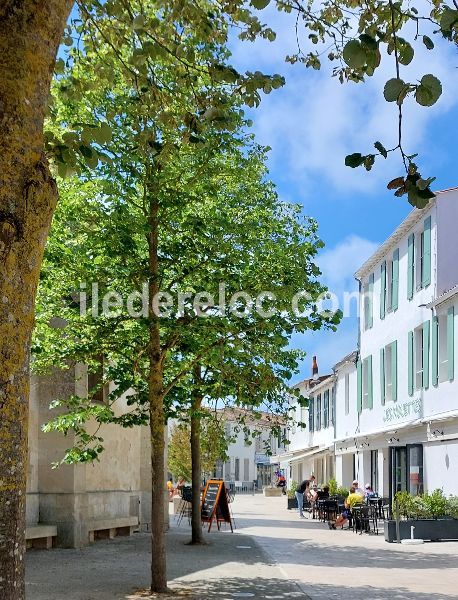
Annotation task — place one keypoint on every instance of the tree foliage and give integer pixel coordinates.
(213, 446)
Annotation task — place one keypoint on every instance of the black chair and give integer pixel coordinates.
(185, 506)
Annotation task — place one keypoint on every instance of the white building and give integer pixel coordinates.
(406, 434)
(395, 422)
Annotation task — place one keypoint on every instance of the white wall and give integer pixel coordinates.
(447, 240)
(441, 466)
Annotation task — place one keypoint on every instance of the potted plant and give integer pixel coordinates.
(291, 495)
(434, 516)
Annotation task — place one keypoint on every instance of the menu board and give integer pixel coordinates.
(215, 506)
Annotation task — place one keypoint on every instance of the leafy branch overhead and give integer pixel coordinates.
(357, 37)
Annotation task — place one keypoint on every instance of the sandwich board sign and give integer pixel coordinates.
(215, 506)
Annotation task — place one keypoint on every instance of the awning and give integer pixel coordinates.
(310, 452)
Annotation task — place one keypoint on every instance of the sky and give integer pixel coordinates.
(313, 122)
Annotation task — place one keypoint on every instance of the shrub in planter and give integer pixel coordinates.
(291, 492)
(452, 506)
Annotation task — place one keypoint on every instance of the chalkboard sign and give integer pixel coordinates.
(215, 506)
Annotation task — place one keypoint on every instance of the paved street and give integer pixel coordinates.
(342, 564)
(271, 550)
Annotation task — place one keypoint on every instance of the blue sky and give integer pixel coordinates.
(313, 122)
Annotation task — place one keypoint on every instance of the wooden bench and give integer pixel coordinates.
(100, 529)
(41, 536)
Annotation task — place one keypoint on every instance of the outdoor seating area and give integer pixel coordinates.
(363, 517)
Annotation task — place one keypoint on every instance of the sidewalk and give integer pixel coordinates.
(230, 566)
(344, 565)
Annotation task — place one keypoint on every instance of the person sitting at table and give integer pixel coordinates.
(352, 499)
(323, 494)
(369, 493)
(358, 490)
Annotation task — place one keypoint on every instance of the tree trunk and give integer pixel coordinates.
(157, 421)
(196, 521)
(30, 32)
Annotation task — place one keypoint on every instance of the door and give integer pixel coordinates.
(374, 470)
(398, 469)
(415, 469)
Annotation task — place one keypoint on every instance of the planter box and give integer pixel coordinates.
(292, 503)
(425, 529)
(269, 492)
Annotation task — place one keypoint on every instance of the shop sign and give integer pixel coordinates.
(261, 459)
(403, 410)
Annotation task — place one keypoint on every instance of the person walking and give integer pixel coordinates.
(300, 491)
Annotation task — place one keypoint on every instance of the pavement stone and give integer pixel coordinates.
(272, 554)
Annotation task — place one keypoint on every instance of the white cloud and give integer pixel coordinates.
(314, 121)
(339, 264)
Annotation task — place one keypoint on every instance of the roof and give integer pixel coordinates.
(412, 218)
(349, 358)
(235, 413)
(450, 293)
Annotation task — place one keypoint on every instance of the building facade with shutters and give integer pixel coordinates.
(404, 434)
(388, 414)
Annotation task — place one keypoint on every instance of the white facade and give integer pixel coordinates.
(396, 397)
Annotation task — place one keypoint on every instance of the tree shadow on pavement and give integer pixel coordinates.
(331, 592)
(228, 588)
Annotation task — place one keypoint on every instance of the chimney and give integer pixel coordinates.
(314, 369)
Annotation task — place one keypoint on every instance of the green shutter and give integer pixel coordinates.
(410, 362)
(382, 375)
(426, 278)
(370, 387)
(395, 280)
(383, 290)
(410, 258)
(426, 335)
(434, 352)
(394, 370)
(451, 343)
(371, 300)
(359, 386)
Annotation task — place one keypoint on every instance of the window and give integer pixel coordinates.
(418, 357)
(389, 285)
(388, 373)
(419, 260)
(318, 412)
(347, 393)
(237, 469)
(367, 382)
(258, 444)
(326, 409)
(95, 386)
(374, 470)
(311, 414)
(442, 349)
(368, 290)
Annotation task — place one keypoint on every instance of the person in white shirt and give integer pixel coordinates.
(358, 490)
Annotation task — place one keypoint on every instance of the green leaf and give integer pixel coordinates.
(354, 54)
(429, 90)
(381, 148)
(405, 52)
(449, 19)
(354, 160)
(393, 88)
(368, 41)
(428, 42)
(260, 4)
(138, 23)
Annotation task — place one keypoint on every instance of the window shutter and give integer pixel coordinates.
(434, 352)
(383, 290)
(410, 258)
(395, 280)
(371, 300)
(394, 370)
(427, 253)
(370, 387)
(451, 342)
(311, 415)
(410, 362)
(426, 334)
(359, 386)
(382, 375)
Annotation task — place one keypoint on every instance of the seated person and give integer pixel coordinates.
(369, 493)
(352, 499)
(323, 494)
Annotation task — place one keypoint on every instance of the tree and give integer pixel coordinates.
(30, 33)
(213, 446)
